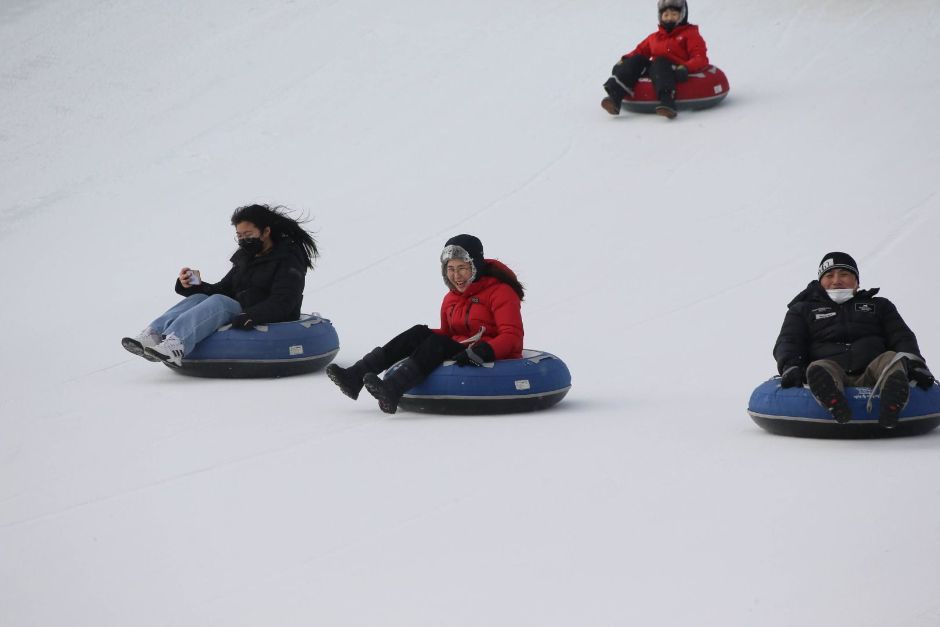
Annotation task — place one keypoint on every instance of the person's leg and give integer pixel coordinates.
(876, 369)
(161, 323)
(888, 373)
(194, 325)
(664, 82)
(430, 353)
(152, 334)
(826, 381)
(433, 351)
(623, 77)
(349, 380)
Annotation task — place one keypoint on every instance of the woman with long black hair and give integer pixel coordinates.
(265, 284)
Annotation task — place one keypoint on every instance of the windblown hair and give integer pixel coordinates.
(505, 277)
(283, 227)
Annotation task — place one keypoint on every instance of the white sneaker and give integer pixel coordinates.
(169, 350)
(148, 338)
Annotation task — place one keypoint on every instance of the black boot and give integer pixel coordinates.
(894, 395)
(349, 379)
(615, 94)
(390, 390)
(667, 104)
(824, 388)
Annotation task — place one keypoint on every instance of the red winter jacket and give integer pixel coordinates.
(487, 303)
(683, 46)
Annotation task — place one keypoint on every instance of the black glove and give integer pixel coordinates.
(918, 373)
(682, 73)
(476, 356)
(243, 321)
(792, 377)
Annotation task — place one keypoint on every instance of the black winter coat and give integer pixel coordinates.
(852, 334)
(270, 288)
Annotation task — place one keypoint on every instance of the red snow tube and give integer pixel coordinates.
(704, 89)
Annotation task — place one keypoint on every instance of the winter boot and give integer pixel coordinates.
(170, 350)
(611, 105)
(614, 99)
(390, 390)
(349, 380)
(894, 395)
(828, 394)
(148, 338)
(667, 104)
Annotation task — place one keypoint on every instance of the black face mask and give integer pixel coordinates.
(251, 245)
(668, 26)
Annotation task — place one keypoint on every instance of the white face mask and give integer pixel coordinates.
(840, 296)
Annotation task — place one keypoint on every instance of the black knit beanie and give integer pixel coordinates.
(831, 261)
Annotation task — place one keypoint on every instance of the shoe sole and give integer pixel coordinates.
(824, 388)
(666, 112)
(136, 348)
(334, 377)
(153, 355)
(610, 106)
(374, 385)
(894, 397)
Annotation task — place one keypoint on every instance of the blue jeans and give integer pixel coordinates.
(196, 317)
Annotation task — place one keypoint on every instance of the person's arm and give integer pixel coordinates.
(790, 349)
(507, 313)
(642, 49)
(898, 336)
(222, 287)
(698, 52)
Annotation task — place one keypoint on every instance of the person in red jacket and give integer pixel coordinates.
(667, 56)
(481, 321)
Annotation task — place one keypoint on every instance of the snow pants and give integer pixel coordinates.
(628, 71)
(879, 368)
(427, 348)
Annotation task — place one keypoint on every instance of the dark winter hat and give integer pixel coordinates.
(831, 261)
(678, 5)
(465, 247)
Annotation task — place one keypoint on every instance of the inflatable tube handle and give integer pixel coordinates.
(451, 362)
(537, 358)
(312, 320)
(258, 327)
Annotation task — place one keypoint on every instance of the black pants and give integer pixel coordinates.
(427, 348)
(626, 73)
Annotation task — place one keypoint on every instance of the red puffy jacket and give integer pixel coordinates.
(683, 46)
(490, 304)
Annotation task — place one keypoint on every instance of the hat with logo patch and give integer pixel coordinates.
(831, 261)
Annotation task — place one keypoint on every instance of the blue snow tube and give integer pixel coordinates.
(536, 381)
(280, 349)
(795, 412)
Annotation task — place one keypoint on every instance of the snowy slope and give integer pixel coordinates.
(658, 258)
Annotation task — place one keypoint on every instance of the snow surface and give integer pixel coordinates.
(658, 258)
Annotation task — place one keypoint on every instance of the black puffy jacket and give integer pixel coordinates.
(270, 288)
(852, 334)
